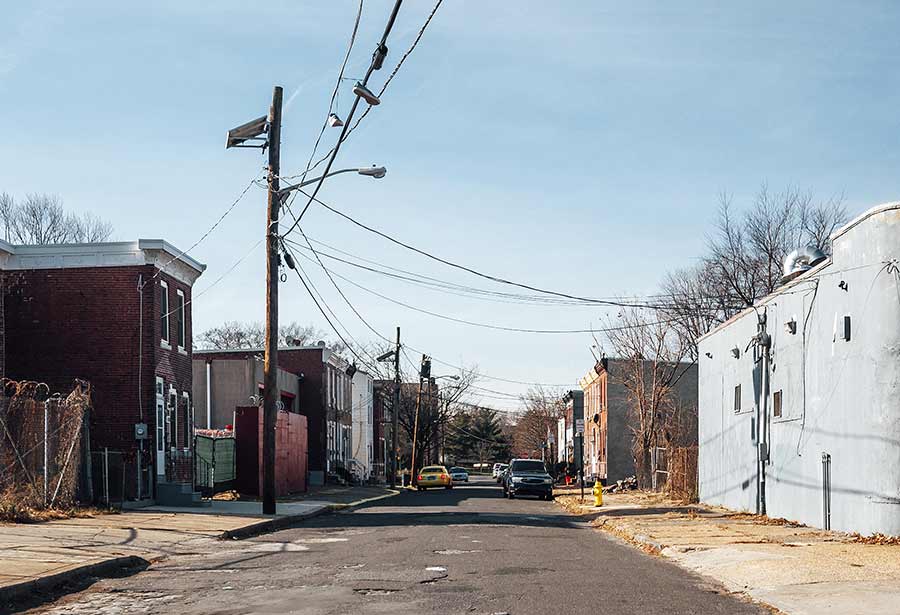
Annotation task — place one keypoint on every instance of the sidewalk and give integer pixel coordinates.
(39, 556)
(796, 569)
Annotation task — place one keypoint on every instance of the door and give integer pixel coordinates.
(160, 428)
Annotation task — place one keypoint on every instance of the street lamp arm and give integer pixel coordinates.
(376, 172)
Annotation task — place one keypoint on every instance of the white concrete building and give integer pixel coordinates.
(814, 424)
(363, 400)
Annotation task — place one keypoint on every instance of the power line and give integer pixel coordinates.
(475, 272)
(334, 92)
(386, 83)
(207, 233)
(480, 324)
(444, 286)
(195, 296)
(341, 292)
(377, 59)
(327, 319)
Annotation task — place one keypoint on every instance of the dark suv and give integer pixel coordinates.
(527, 477)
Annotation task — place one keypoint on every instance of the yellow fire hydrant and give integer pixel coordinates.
(598, 494)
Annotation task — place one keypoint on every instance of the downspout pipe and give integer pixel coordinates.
(764, 343)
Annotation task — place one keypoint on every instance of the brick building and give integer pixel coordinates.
(608, 439)
(117, 315)
(324, 397)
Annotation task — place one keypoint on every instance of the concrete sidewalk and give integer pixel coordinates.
(796, 569)
(40, 556)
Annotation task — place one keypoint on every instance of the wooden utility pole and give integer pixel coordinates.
(424, 376)
(395, 414)
(270, 377)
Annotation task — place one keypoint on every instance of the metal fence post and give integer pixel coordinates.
(106, 475)
(46, 451)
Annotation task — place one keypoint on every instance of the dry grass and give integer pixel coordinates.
(16, 512)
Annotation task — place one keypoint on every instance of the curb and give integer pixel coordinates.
(279, 523)
(350, 505)
(111, 567)
(271, 525)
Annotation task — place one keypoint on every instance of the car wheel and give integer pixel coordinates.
(512, 496)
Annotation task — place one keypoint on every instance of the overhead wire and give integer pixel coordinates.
(377, 59)
(207, 233)
(493, 278)
(384, 87)
(327, 319)
(479, 324)
(197, 295)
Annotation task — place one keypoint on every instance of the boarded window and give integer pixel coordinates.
(776, 404)
(737, 398)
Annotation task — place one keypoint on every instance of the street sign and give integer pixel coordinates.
(579, 425)
(551, 438)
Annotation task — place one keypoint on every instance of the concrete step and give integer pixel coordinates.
(179, 494)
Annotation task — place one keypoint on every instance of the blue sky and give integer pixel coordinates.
(578, 146)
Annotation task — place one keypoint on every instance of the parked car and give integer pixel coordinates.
(499, 471)
(433, 476)
(459, 475)
(527, 477)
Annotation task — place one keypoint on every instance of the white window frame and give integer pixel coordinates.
(181, 317)
(160, 427)
(189, 420)
(165, 333)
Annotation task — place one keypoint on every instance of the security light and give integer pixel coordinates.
(388, 356)
(736, 352)
(366, 94)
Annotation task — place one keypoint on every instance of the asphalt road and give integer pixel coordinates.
(462, 551)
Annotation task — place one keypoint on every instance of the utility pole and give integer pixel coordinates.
(270, 369)
(424, 374)
(395, 414)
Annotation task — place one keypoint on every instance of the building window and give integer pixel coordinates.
(737, 398)
(164, 313)
(179, 318)
(776, 404)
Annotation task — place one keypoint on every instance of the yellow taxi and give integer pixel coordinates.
(433, 476)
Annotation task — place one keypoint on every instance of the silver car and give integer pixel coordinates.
(459, 475)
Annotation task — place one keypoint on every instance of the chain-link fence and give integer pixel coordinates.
(43, 445)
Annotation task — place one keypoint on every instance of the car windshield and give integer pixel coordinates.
(433, 470)
(528, 465)
(457, 469)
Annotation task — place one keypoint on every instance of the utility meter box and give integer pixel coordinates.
(140, 431)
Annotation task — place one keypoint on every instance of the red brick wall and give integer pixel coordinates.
(63, 324)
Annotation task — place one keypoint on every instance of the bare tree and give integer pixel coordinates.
(653, 353)
(436, 406)
(747, 252)
(233, 335)
(744, 258)
(41, 219)
(543, 409)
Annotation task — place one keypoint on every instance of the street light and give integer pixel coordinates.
(376, 172)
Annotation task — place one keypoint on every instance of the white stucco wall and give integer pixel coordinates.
(363, 416)
(839, 397)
